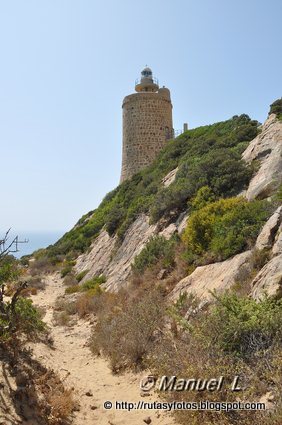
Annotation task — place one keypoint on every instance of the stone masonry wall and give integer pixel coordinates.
(147, 124)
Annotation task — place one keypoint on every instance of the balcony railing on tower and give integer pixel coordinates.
(141, 80)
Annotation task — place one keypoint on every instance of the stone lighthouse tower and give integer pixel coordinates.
(147, 124)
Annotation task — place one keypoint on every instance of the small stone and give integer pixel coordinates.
(89, 394)
(144, 394)
(162, 274)
(93, 407)
(147, 420)
(270, 396)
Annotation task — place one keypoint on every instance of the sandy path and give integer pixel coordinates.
(73, 361)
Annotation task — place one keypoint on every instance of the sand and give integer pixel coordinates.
(79, 369)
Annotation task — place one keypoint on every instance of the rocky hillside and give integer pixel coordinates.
(169, 274)
(235, 157)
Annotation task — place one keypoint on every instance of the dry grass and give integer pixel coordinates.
(64, 311)
(70, 280)
(40, 397)
(58, 402)
(72, 289)
(136, 329)
(37, 282)
(61, 318)
(62, 404)
(40, 266)
(84, 305)
(126, 331)
(30, 290)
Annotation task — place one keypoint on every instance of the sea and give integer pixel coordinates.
(31, 241)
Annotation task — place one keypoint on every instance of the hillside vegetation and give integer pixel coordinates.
(205, 156)
(227, 334)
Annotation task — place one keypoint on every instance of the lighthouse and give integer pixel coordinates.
(147, 124)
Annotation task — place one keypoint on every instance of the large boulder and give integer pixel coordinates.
(217, 276)
(269, 280)
(170, 177)
(267, 149)
(267, 235)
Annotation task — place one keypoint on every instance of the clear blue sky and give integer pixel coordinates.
(67, 64)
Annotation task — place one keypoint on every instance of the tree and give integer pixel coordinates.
(18, 316)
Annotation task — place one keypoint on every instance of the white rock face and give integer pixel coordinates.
(178, 226)
(218, 276)
(98, 259)
(170, 177)
(115, 264)
(181, 222)
(135, 239)
(267, 235)
(267, 149)
(277, 247)
(269, 279)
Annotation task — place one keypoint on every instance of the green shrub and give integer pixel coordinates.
(93, 283)
(72, 289)
(243, 326)
(97, 290)
(278, 195)
(206, 156)
(158, 248)
(276, 108)
(222, 170)
(20, 318)
(81, 275)
(114, 219)
(203, 197)
(225, 227)
(260, 257)
(9, 270)
(67, 268)
(233, 337)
